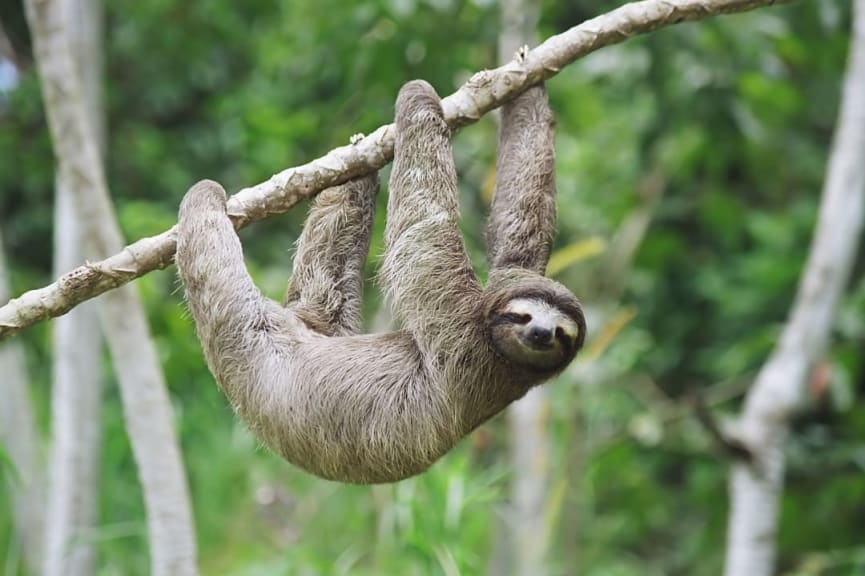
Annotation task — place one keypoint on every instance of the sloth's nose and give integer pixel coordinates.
(540, 335)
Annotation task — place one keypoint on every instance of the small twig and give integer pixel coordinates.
(730, 446)
(669, 411)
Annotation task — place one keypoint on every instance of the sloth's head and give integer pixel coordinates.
(539, 329)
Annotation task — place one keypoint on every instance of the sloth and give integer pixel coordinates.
(372, 408)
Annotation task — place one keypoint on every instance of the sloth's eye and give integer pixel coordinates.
(516, 318)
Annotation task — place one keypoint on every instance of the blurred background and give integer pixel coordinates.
(689, 165)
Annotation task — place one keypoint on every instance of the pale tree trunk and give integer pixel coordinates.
(77, 348)
(527, 418)
(20, 439)
(75, 417)
(147, 409)
(780, 388)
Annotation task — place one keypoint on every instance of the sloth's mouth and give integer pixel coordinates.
(539, 346)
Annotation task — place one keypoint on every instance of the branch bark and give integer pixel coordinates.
(780, 388)
(485, 91)
(147, 410)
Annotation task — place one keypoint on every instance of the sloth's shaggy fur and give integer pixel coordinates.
(381, 407)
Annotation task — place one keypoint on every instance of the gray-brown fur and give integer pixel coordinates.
(379, 407)
(327, 278)
(522, 220)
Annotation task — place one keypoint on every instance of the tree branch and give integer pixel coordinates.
(485, 91)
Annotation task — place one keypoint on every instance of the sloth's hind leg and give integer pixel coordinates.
(522, 218)
(231, 316)
(327, 280)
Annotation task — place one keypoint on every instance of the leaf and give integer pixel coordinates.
(565, 257)
(609, 332)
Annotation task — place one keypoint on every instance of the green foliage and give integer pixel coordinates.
(732, 116)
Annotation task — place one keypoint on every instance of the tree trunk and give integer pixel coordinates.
(147, 409)
(780, 388)
(527, 418)
(20, 439)
(76, 394)
(75, 417)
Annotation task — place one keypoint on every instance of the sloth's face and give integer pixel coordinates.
(534, 333)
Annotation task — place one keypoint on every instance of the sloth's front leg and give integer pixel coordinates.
(426, 269)
(522, 218)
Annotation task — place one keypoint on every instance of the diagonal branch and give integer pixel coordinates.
(485, 91)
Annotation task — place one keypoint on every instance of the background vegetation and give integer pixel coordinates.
(718, 130)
